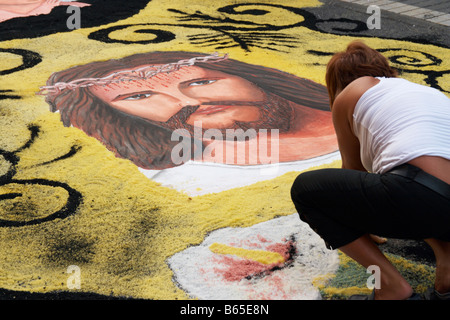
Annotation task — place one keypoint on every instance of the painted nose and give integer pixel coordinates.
(185, 100)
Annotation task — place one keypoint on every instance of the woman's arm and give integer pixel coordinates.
(342, 113)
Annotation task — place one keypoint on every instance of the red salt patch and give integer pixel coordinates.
(283, 249)
(262, 239)
(237, 269)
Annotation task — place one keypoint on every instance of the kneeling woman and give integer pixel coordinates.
(394, 140)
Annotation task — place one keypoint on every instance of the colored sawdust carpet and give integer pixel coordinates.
(92, 203)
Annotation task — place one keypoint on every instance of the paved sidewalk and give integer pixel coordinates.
(342, 17)
(435, 11)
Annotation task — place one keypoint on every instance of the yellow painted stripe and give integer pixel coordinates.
(261, 256)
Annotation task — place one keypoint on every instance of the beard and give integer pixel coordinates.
(275, 113)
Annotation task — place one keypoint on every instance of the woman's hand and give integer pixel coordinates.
(377, 239)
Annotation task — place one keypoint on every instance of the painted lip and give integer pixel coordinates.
(212, 109)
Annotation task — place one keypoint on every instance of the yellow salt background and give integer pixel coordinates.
(127, 226)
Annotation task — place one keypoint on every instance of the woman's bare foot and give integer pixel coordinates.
(441, 251)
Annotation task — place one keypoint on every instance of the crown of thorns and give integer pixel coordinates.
(129, 75)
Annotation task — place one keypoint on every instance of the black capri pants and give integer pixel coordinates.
(341, 205)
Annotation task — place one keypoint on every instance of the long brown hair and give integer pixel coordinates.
(145, 142)
(358, 60)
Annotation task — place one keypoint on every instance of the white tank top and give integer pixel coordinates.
(397, 121)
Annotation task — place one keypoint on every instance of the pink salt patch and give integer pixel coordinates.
(281, 248)
(277, 287)
(237, 268)
(262, 239)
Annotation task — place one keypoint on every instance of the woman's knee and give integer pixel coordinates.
(304, 185)
(304, 198)
(297, 188)
(300, 198)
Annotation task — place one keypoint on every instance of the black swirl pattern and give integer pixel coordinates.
(29, 60)
(74, 198)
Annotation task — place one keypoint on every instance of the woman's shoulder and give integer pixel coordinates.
(354, 90)
(361, 85)
(345, 102)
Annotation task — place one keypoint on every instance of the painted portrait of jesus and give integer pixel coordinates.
(136, 117)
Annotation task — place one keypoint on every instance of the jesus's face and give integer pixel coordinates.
(217, 99)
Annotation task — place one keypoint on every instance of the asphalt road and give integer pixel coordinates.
(392, 25)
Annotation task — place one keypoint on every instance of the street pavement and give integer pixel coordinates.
(435, 11)
(428, 27)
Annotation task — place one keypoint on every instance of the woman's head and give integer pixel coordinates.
(358, 60)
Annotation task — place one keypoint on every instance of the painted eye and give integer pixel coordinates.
(139, 96)
(201, 82)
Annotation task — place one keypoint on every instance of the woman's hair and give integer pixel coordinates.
(358, 60)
